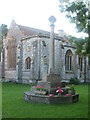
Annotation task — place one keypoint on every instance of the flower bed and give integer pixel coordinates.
(39, 94)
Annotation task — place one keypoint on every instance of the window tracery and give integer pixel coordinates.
(28, 63)
(68, 61)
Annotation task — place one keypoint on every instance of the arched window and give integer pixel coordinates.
(27, 63)
(68, 60)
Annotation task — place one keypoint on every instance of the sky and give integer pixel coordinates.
(35, 14)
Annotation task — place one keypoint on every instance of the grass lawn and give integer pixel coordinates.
(0, 100)
(14, 106)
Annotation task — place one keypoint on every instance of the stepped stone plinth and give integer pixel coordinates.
(50, 81)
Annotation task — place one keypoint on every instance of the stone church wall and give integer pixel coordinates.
(44, 58)
(37, 48)
(68, 75)
(40, 56)
(13, 31)
(88, 70)
(57, 57)
(29, 50)
(10, 75)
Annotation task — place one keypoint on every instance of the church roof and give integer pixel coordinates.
(32, 32)
(28, 31)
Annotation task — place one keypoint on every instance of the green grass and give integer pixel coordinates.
(14, 106)
(0, 100)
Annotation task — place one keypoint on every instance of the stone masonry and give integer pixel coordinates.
(35, 44)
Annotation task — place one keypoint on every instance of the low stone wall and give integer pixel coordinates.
(30, 97)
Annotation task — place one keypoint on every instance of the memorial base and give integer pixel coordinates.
(50, 96)
(50, 81)
(30, 97)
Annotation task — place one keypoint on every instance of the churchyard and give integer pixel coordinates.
(0, 100)
(49, 58)
(14, 106)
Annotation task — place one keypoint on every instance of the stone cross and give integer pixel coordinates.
(52, 20)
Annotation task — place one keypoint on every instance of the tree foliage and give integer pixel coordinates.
(79, 42)
(3, 29)
(77, 12)
(3, 32)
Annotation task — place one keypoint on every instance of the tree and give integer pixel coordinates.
(3, 33)
(3, 30)
(77, 12)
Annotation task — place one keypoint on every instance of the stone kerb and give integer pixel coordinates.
(30, 97)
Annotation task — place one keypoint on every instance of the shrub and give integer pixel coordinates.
(53, 91)
(74, 81)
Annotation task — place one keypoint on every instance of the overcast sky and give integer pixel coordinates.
(35, 13)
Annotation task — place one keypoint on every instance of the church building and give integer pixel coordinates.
(25, 56)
